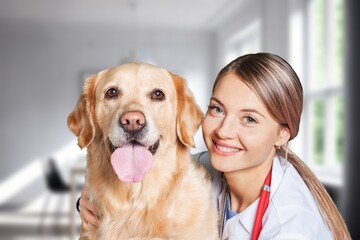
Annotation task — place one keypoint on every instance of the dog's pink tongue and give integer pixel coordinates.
(131, 162)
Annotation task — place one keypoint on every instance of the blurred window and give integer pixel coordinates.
(319, 60)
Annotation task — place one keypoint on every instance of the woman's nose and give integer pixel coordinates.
(226, 129)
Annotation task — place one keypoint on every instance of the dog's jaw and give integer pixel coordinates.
(152, 148)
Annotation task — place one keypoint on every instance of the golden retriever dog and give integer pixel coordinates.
(137, 122)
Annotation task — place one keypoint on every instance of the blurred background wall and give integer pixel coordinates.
(48, 48)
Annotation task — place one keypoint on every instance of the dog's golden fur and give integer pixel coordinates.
(174, 200)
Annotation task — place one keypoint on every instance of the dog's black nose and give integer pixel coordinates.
(132, 121)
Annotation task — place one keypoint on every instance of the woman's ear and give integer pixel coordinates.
(284, 136)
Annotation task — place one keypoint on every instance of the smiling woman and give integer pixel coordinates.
(254, 111)
(246, 120)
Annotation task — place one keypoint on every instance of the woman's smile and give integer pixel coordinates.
(223, 149)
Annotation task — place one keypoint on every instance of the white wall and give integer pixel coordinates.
(273, 17)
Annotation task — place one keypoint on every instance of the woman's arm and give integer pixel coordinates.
(87, 210)
(204, 159)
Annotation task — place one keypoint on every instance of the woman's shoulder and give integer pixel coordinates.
(294, 208)
(204, 159)
(292, 192)
(295, 222)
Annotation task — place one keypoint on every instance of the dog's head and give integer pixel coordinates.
(139, 110)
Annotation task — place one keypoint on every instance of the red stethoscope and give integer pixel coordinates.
(262, 206)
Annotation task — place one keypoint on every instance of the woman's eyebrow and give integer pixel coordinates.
(216, 100)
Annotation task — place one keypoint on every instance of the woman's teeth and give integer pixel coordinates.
(226, 149)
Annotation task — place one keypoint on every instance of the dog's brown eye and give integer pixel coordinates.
(158, 95)
(111, 93)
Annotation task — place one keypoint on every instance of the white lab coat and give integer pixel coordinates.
(292, 213)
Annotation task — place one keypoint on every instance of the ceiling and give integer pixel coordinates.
(177, 14)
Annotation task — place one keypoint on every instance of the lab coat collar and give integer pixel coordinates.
(269, 230)
(247, 216)
(277, 174)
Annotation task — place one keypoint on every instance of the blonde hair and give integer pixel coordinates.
(280, 90)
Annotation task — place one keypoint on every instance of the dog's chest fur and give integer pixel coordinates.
(157, 207)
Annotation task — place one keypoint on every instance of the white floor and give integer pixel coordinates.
(47, 217)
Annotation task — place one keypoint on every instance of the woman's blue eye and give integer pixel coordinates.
(215, 109)
(249, 119)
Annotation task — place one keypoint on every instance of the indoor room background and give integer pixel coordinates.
(48, 48)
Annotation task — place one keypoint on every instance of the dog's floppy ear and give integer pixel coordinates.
(189, 114)
(81, 120)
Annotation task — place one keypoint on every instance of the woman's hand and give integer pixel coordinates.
(88, 211)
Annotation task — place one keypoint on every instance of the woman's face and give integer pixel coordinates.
(238, 131)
